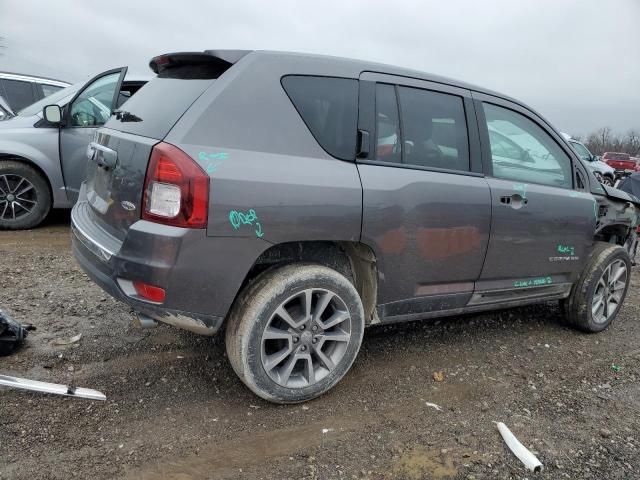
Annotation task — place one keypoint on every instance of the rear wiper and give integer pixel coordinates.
(125, 116)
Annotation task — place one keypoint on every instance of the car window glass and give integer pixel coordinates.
(93, 106)
(581, 150)
(49, 89)
(434, 129)
(19, 94)
(388, 148)
(329, 108)
(534, 157)
(58, 98)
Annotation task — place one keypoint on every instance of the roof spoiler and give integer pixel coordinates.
(195, 65)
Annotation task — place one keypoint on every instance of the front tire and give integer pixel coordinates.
(294, 332)
(25, 196)
(607, 180)
(598, 294)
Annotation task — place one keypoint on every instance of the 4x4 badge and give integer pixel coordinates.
(128, 205)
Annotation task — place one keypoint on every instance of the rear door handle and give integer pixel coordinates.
(103, 156)
(515, 201)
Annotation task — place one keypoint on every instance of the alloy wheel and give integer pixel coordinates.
(306, 338)
(609, 291)
(18, 197)
(607, 181)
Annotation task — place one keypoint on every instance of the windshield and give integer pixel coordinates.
(581, 150)
(59, 98)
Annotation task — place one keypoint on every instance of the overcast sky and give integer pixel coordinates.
(575, 61)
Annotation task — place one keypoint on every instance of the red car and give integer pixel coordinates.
(623, 163)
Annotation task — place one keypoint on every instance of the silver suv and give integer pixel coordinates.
(294, 200)
(42, 163)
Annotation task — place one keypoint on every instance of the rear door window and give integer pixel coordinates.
(434, 129)
(521, 150)
(329, 108)
(18, 94)
(388, 140)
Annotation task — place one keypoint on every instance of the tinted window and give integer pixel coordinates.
(92, 107)
(434, 129)
(158, 105)
(329, 108)
(18, 94)
(388, 145)
(49, 89)
(535, 156)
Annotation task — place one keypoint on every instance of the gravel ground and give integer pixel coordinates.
(175, 409)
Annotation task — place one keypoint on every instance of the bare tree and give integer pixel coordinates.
(632, 143)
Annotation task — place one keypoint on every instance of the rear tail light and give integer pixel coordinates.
(149, 292)
(176, 189)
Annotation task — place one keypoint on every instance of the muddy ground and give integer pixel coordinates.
(176, 410)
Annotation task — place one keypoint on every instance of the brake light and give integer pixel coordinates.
(176, 189)
(149, 292)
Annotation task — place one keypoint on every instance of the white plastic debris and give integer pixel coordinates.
(529, 460)
(74, 339)
(54, 388)
(433, 405)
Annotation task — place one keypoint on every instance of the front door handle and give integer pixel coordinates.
(515, 201)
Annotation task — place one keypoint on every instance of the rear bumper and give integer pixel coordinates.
(147, 255)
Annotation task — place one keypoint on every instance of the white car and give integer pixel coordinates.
(603, 172)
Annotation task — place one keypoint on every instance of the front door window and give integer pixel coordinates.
(523, 151)
(92, 108)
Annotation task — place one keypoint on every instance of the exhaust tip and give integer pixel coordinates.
(143, 321)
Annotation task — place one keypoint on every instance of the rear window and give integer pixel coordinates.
(156, 107)
(329, 108)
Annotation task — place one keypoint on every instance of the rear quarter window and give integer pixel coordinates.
(329, 108)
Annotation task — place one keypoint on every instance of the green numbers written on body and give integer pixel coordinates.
(238, 219)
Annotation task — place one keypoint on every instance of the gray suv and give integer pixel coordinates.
(294, 200)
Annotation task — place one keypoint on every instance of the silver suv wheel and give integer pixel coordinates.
(18, 197)
(295, 331)
(306, 338)
(598, 294)
(609, 291)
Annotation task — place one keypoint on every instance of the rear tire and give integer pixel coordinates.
(294, 332)
(600, 291)
(25, 196)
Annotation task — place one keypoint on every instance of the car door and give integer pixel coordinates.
(89, 109)
(426, 205)
(543, 219)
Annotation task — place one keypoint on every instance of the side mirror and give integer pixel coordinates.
(52, 114)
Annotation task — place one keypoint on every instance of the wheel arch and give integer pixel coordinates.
(354, 260)
(615, 233)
